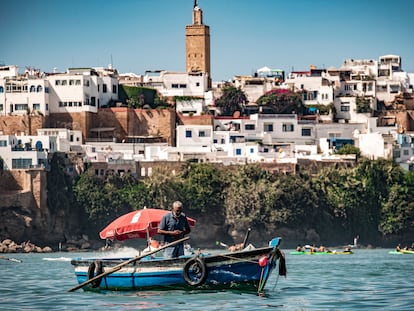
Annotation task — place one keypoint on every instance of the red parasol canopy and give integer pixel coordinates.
(143, 223)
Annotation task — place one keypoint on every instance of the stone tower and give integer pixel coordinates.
(197, 44)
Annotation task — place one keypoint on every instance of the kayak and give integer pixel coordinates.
(401, 252)
(321, 253)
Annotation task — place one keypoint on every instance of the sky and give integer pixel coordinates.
(139, 35)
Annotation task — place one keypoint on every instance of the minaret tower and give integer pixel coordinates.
(197, 44)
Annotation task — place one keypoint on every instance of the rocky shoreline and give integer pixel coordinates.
(74, 245)
(10, 246)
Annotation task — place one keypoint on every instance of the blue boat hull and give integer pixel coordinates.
(239, 270)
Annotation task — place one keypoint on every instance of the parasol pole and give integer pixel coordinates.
(118, 267)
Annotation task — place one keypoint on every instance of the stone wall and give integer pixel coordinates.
(27, 124)
(117, 123)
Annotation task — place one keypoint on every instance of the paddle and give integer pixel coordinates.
(118, 267)
(11, 259)
(222, 244)
(246, 237)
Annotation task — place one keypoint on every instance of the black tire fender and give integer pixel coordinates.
(195, 271)
(95, 268)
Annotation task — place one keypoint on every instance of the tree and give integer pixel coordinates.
(282, 101)
(246, 197)
(349, 149)
(162, 187)
(101, 198)
(233, 99)
(202, 187)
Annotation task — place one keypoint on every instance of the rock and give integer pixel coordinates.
(47, 249)
(6, 242)
(85, 245)
(3, 248)
(12, 248)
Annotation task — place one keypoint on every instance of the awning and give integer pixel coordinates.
(102, 129)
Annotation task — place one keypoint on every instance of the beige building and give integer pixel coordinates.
(197, 44)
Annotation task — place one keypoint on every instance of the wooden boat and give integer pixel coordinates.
(322, 253)
(246, 270)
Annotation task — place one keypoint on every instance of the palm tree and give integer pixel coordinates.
(233, 99)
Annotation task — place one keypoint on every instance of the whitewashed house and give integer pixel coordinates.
(24, 152)
(82, 89)
(23, 93)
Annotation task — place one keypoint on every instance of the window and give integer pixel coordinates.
(1, 107)
(174, 86)
(21, 163)
(114, 88)
(268, 127)
(32, 88)
(3, 143)
(238, 151)
(39, 88)
(20, 107)
(345, 107)
(251, 150)
(36, 107)
(288, 127)
(249, 127)
(77, 82)
(188, 134)
(71, 82)
(104, 88)
(64, 82)
(197, 84)
(201, 134)
(306, 132)
(1, 89)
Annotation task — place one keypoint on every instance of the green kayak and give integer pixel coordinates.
(321, 253)
(401, 252)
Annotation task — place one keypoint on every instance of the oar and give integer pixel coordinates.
(118, 267)
(222, 244)
(246, 237)
(11, 259)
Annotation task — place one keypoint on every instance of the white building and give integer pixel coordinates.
(23, 94)
(23, 152)
(82, 89)
(65, 138)
(316, 85)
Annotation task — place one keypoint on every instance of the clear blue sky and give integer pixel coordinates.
(139, 35)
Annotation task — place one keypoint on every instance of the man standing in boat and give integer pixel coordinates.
(174, 226)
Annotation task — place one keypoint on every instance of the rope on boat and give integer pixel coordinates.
(259, 287)
(239, 259)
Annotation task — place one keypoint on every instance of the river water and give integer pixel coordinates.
(366, 280)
